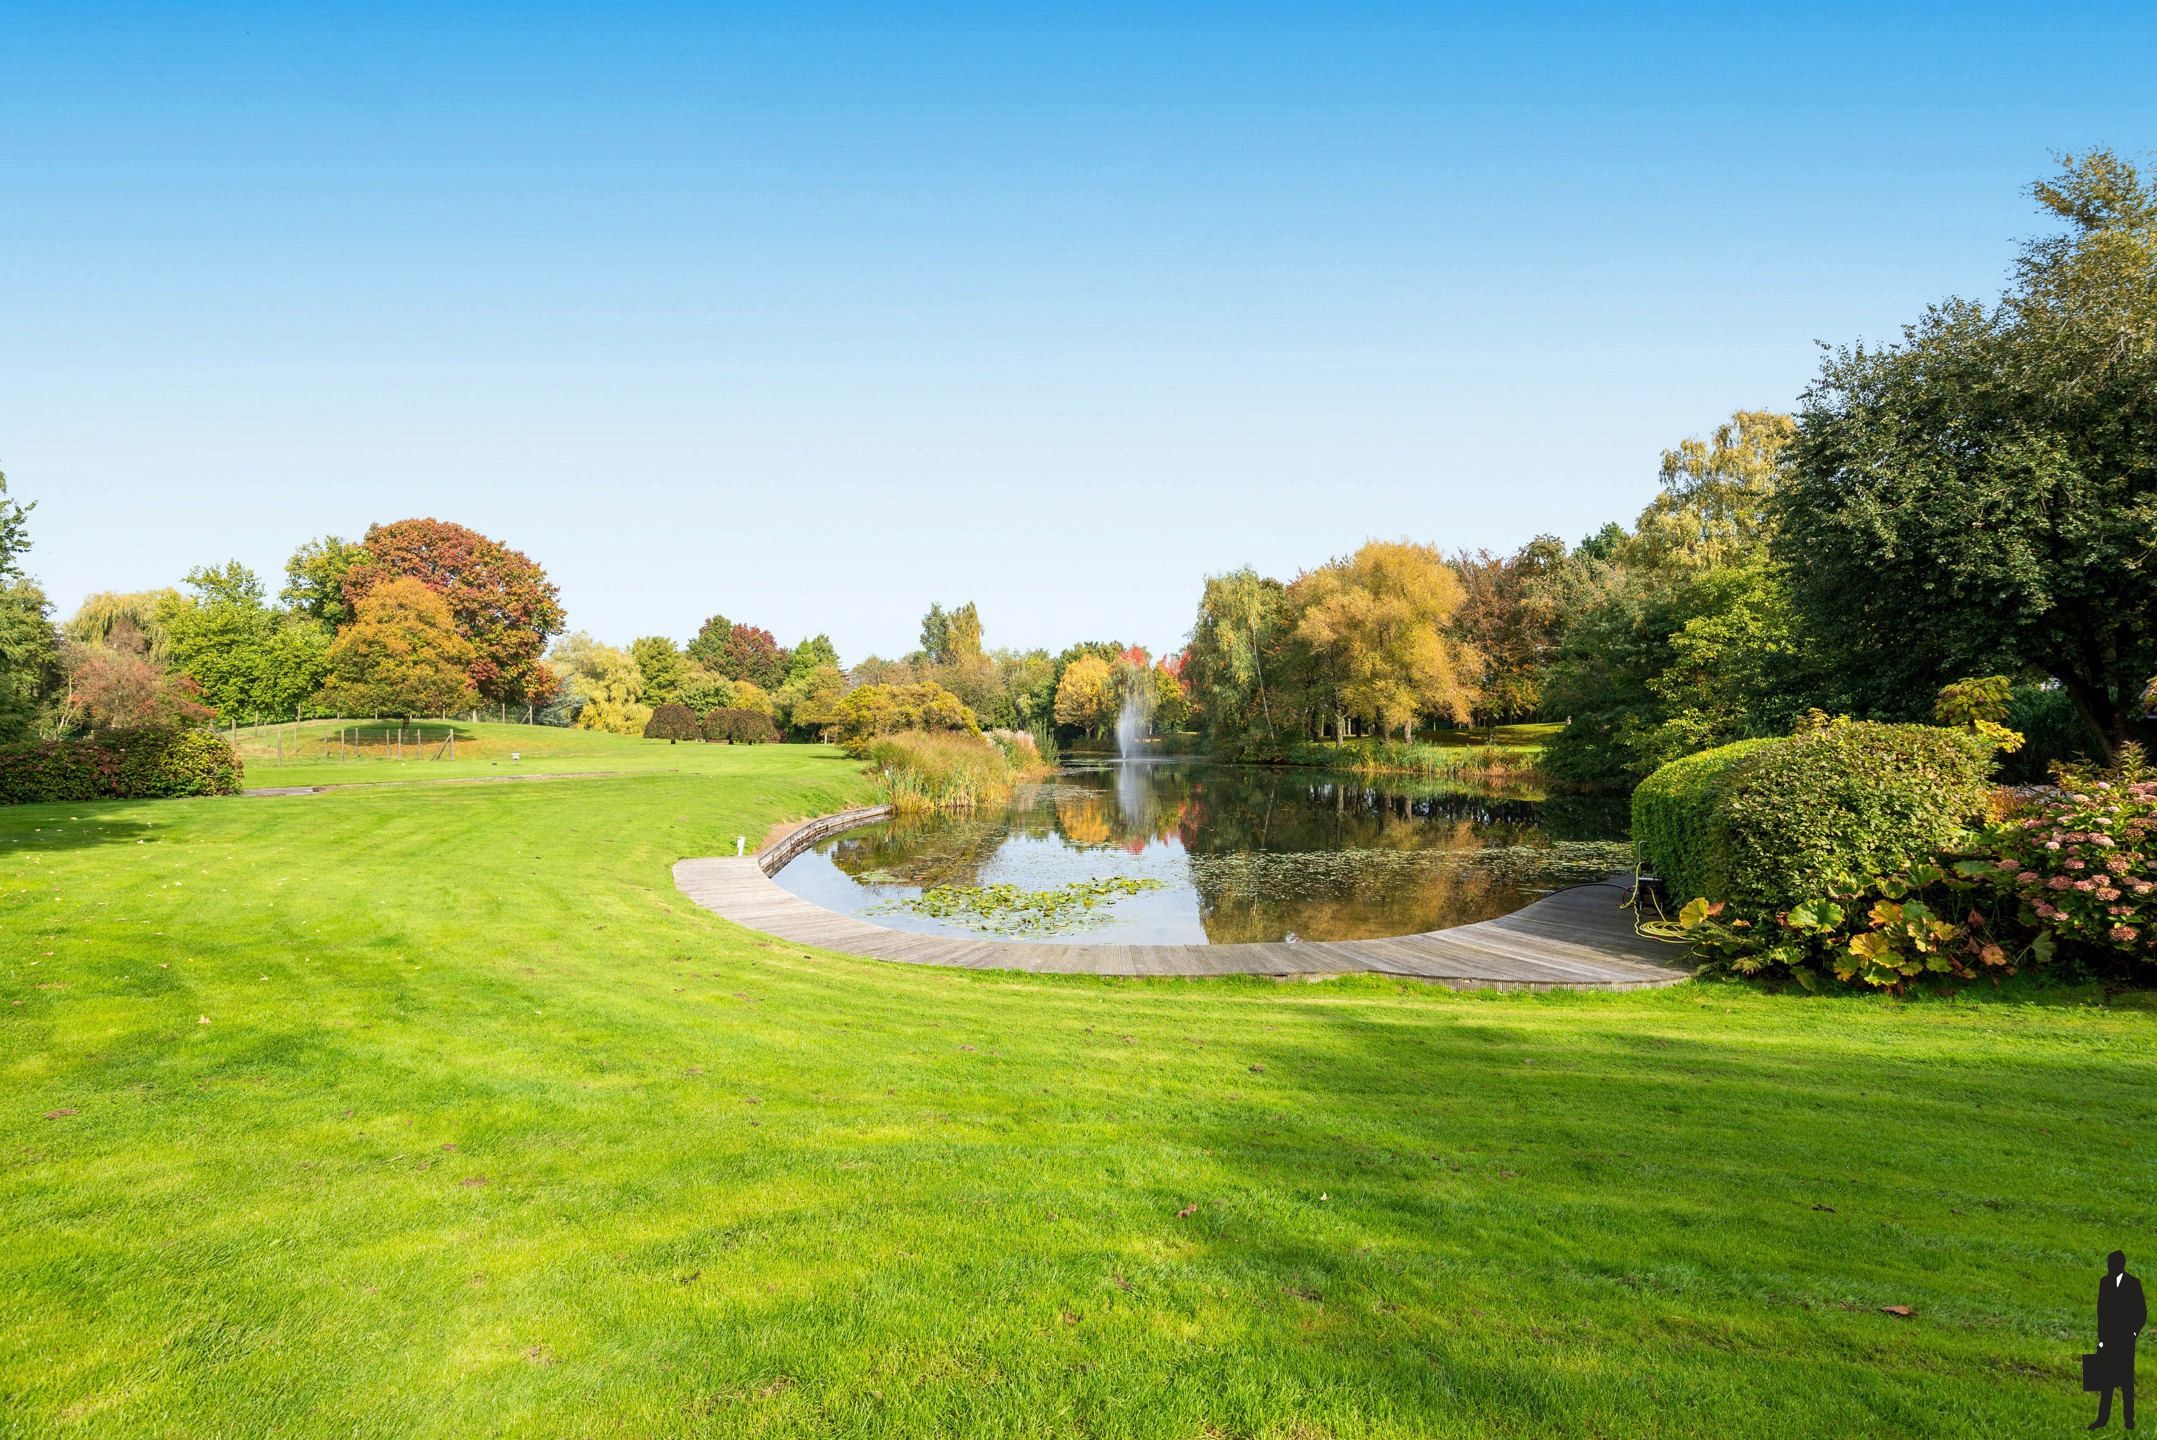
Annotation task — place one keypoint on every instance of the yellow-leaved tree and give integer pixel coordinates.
(1086, 696)
(1375, 626)
(607, 682)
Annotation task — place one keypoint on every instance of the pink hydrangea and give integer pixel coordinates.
(2125, 934)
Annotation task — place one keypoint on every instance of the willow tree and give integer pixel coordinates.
(1376, 624)
(1225, 671)
(1981, 496)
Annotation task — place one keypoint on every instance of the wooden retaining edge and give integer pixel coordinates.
(775, 855)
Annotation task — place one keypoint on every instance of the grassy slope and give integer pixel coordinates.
(489, 1131)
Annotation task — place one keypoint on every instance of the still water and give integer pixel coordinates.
(1238, 853)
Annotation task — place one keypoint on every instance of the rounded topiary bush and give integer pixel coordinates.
(1788, 820)
(671, 722)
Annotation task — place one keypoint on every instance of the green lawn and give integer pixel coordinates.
(435, 1110)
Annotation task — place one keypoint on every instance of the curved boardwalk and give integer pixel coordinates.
(1577, 939)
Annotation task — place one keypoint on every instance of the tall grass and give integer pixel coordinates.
(1484, 763)
(947, 770)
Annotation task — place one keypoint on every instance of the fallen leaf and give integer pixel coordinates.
(1826, 1209)
(202, 1019)
(1258, 1069)
(1187, 1211)
(58, 1114)
(473, 1182)
(1903, 1311)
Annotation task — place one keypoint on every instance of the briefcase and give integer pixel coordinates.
(2096, 1372)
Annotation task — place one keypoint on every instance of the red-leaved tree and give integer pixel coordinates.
(499, 599)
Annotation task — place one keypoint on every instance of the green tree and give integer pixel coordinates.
(29, 657)
(810, 655)
(29, 651)
(709, 648)
(808, 702)
(1715, 507)
(1240, 621)
(315, 580)
(1980, 497)
(250, 662)
(401, 655)
(665, 668)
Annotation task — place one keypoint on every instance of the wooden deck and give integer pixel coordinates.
(1577, 939)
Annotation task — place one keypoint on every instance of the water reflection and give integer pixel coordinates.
(1243, 853)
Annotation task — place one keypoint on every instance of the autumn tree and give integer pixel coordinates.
(755, 655)
(1377, 624)
(871, 710)
(123, 688)
(500, 601)
(1086, 697)
(1511, 614)
(603, 683)
(401, 655)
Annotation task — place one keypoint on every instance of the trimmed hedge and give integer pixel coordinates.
(1672, 825)
(1765, 825)
(119, 765)
(671, 722)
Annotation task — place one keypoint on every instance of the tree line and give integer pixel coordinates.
(1975, 501)
(1967, 509)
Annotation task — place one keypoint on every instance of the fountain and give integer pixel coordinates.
(1131, 723)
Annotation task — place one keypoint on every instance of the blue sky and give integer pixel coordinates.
(814, 314)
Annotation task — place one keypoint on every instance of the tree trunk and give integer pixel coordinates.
(2106, 717)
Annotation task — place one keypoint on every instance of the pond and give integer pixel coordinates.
(1171, 852)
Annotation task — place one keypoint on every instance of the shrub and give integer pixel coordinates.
(939, 771)
(120, 765)
(672, 722)
(1673, 820)
(867, 711)
(2079, 862)
(735, 726)
(1765, 825)
(1837, 806)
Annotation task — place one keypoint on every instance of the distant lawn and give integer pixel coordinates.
(437, 1111)
(309, 753)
